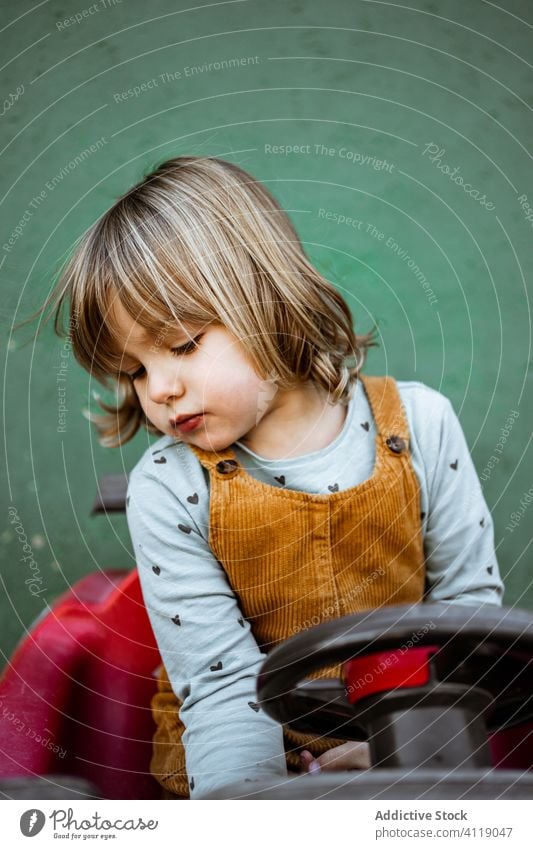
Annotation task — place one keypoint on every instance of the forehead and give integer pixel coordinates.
(123, 326)
(125, 334)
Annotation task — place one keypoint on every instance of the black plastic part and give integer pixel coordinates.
(480, 682)
(388, 784)
(111, 494)
(440, 726)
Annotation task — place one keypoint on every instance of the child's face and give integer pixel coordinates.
(211, 376)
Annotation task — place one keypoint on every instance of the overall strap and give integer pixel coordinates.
(222, 463)
(387, 408)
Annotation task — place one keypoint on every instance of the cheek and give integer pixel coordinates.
(142, 397)
(234, 376)
(225, 366)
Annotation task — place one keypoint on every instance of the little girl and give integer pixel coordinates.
(286, 488)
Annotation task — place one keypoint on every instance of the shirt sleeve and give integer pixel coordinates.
(206, 645)
(461, 564)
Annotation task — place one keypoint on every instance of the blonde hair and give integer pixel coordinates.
(199, 240)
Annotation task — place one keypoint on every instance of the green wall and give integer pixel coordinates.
(362, 88)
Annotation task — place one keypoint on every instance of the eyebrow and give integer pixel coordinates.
(142, 335)
(146, 337)
(140, 338)
(133, 340)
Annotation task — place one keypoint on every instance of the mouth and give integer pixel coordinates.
(185, 424)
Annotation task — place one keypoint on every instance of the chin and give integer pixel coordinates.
(211, 443)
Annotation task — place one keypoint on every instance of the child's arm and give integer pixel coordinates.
(207, 647)
(458, 529)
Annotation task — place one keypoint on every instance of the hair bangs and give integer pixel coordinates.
(150, 268)
(199, 240)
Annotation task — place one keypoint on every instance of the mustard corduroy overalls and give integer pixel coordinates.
(296, 558)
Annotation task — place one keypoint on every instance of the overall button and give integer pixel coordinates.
(396, 444)
(226, 466)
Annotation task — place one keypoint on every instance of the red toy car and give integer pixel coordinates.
(75, 696)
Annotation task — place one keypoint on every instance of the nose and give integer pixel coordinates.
(164, 383)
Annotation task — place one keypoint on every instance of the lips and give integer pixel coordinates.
(186, 423)
(179, 419)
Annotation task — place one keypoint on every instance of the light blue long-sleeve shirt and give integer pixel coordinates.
(192, 607)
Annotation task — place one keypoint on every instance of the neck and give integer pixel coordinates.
(299, 422)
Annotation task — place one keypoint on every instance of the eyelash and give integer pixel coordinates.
(188, 348)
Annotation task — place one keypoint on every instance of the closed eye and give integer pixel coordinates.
(137, 374)
(183, 350)
(188, 348)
